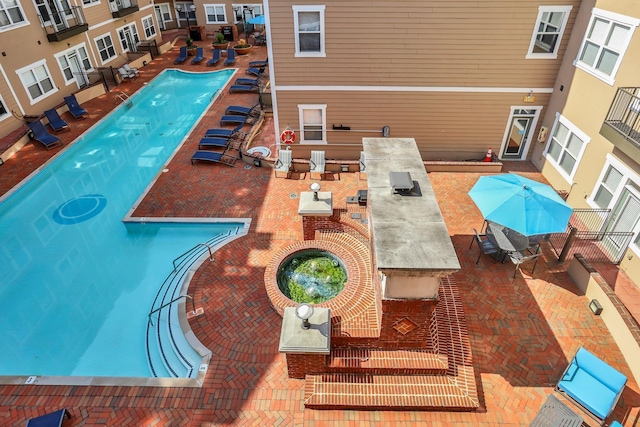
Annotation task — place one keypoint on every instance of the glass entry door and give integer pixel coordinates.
(519, 133)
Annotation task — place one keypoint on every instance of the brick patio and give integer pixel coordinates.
(522, 330)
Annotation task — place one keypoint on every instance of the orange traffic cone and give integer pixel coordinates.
(487, 158)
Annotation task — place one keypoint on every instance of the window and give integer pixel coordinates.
(149, 28)
(548, 31)
(105, 48)
(605, 43)
(90, 2)
(608, 186)
(11, 14)
(164, 11)
(4, 113)
(566, 146)
(215, 13)
(129, 38)
(308, 22)
(312, 123)
(37, 81)
(73, 63)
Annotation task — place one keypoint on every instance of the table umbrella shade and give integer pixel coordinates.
(521, 204)
(256, 20)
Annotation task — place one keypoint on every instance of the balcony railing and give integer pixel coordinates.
(120, 8)
(60, 25)
(622, 124)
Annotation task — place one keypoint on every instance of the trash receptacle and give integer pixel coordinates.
(195, 34)
(227, 32)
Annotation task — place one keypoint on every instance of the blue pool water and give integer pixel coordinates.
(76, 283)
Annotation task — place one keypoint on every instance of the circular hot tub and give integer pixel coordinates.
(259, 151)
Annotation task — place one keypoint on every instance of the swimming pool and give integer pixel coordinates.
(78, 283)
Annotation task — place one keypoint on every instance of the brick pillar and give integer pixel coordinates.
(299, 365)
(405, 323)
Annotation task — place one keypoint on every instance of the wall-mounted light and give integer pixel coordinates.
(256, 163)
(4, 53)
(530, 97)
(595, 306)
(344, 168)
(39, 42)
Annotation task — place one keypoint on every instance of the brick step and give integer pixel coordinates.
(389, 392)
(387, 361)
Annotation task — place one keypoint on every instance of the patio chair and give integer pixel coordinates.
(53, 419)
(317, 163)
(215, 59)
(237, 120)
(254, 87)
(74, 108)
(199, 56)
(522, 257)
(212, 156)
(182, 56)
(208, 142)
(125, 75)
(231, 57)
(41, 135)
(362, 165)
(243, 111)
(262, 63)
(246, 81)
(484, 244)
(592, 384)
(55, 121)
(226, 133)
(283, 163)
(256, 71)
(131, 69)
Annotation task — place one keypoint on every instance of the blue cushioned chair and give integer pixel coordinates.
(182, 56)
(74, 108)
(212, 156)
(55, 121)
(239, 110)
(208, 142)
(215, 59)
(226, 133)
(199, 56)
(53, 419)
(41, 135)
(592, 384)
(231, 57)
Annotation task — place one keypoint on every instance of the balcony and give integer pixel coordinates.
(622, 124)
(120, 8)
(62, 25)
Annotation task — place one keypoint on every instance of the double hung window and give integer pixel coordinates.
(548, 31)
(215, 13)
(313, 123)
(566, 146)
(308, 22)
(37, 81)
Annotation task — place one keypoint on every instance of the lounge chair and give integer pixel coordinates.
(212, 156)
(255, 87)
(52, 419)
(283, 163)
(226, 133)
(125, 75)
(255, 64)
(237, 120)
(317, 163)
(131, 69)
(593, 384)
(199, 56)
(182, 56)
(208, 142)
(231, 57)
(258, 72)
(55, 121)
(41, 135)
(243, 111)
(246, 81)
(74, 108)
(215, 59)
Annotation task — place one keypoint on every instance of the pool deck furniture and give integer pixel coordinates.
(55, 121)
(131, 69)
(262, 63)
(246, 81)
(554, 413)
(283, 163)
(199, 57)
(231, 57)
(592, 384)
(486, 246)
(227, 133)
(317, 164)
(53, 419)
(182, 56)
(208, 142)
(243, 111)
(125, 75)
(41, 135)
(232, 119)
(74, 107)
(254, 87)
(214, 157)
(523, 257)
(506, 239)
(214, 59)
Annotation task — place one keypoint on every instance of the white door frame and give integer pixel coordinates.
(530, 135)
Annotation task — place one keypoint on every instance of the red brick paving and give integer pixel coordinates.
(522, 331)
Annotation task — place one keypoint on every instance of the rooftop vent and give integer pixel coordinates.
(401, 182)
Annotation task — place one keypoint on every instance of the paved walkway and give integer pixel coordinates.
(523, 331)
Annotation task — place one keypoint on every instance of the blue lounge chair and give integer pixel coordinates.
(182, 56)
(593, 384)
(226, 133)
(231, 57)
(256, 64)
(53, 419)
(212, 156)
(74, 108)
(255, 87)
(41, 135)
(216, 58)
(208, 142)
(237, 120)
(199, 56)
(55, 121)
(243, 111)
(258, 72)
(246, 81)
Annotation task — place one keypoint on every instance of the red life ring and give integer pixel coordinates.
(288, 136)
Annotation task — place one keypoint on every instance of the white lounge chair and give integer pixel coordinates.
(317, 164)
(283, 163)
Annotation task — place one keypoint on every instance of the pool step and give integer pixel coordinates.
(387, 361)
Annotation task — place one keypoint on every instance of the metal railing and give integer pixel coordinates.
(55, 22)
(119, 5)
(624, 114)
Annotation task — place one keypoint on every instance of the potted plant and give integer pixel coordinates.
(219, 42)
(191, 48)
(242, 48)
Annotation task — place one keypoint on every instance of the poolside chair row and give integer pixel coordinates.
(199, 57)
(127, 72)
(58, 124)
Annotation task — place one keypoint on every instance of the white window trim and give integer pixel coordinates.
(155, 27)
(93, 3)
(301, 108)
(296, 32)
(64, 53)
(19, 24)
(573, 129)
(160, 6)
(131, 25)
(31, 67)
(563, 25)
(206, 15)
(627, 175)
(527, 145)
(619, 19)
(95, 42)
(8, 113)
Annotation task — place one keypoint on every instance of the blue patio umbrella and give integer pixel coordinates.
(256, 20)
(521, 204)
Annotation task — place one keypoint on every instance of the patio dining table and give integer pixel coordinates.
(506, 239)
